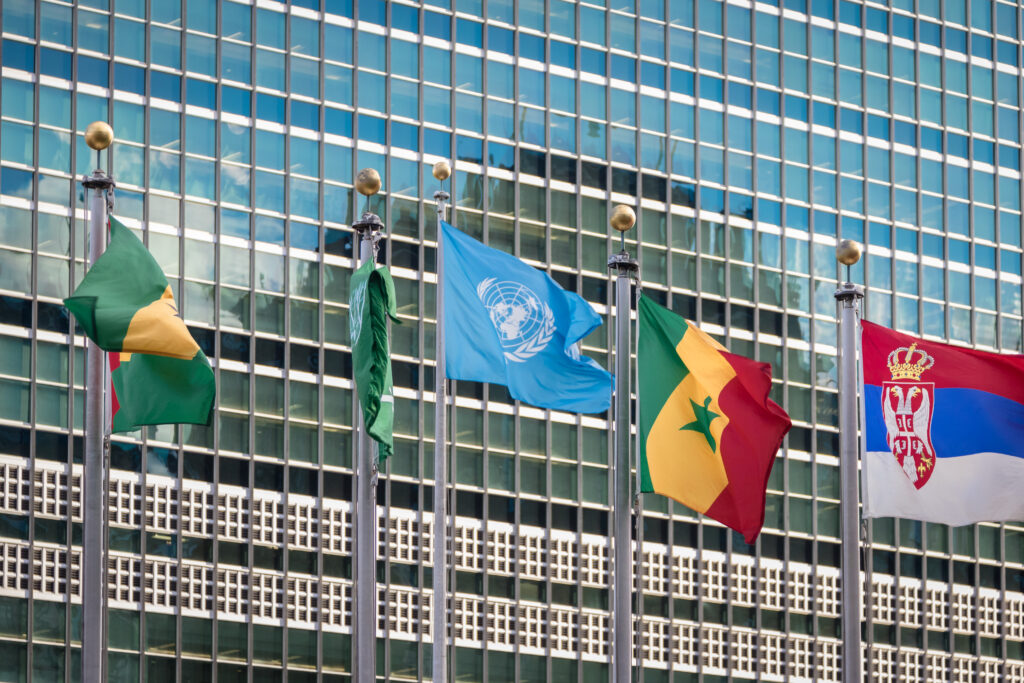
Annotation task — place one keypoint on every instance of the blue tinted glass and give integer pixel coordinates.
(500, 39)
(1007, 53)
(235, 100)
(796, 107)
(981, 46)
(957, 144)
(437, 25)
(984, 151)
(1009, 157)
(340, 7)
(166, 86)
(740, 95)
(405, 18)
(825, 114)
(469, 32)
(768, 101)
(338, 122)
(94, 71)
(652, 75)
(592, 61)
(338, 43)
(200, 93)
(532, 47)
(711, 88)
(624, 68)
(877, 20)
(305, 115)
(55, 63)
(682, 81)
(849, 12)
(905, 133)
(563, 54)
(956, 40)
(130, 78)
(501, 156)
(437, 142)
(469, 149)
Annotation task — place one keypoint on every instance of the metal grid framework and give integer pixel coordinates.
(750, 136)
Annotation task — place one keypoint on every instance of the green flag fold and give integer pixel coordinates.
(371, 303)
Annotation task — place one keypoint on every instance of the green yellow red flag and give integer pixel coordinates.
(159, 375)
(708, 431)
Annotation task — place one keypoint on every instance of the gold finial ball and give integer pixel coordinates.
(623, 218)
(99, 135)
(848, 252)
(368, 182)
(442, 170)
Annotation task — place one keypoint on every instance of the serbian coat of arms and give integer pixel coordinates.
(907, 405)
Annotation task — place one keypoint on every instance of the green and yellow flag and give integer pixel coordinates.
(708, 431)
(125, 304)
(159, 375)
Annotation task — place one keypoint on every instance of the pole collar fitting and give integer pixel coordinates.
(849, 293)
(370, 227)
(97, 181)
(441, 196)
(622, 264)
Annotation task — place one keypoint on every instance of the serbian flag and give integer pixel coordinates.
(708, 431)
(944, 430)
(159, 375)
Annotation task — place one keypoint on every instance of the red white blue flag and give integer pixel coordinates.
(944, 430)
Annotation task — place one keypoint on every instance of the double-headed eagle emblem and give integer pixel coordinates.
(907, 408)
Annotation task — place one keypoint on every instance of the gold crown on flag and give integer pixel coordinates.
(909, 368)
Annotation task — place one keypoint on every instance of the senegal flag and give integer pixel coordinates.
(371, 303)
(159, 375)
(708, 431)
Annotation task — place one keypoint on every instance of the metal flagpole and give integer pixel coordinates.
(439, 628)
(98, 136)
(849, 296)
(364, 625)
(625, 269)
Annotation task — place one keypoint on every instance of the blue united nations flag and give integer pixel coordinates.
(505, 322)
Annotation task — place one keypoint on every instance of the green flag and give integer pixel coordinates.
(371, 303)
(153, 390)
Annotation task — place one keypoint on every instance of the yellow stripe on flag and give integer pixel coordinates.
(158, 330)
(681, 462)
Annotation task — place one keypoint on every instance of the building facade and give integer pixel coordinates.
(750, 136)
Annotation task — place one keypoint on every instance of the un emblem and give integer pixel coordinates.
(356, 310)
(525, 324)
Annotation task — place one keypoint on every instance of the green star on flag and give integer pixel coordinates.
(702, 423)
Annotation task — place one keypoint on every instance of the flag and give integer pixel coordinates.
(944, 431)
(125, 304)
(371, 303)
(150, 390)
(708, 431)
(505, 322)
(159, 375)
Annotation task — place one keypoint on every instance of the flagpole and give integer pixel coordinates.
(849, 296)
(98, 136)
(625, 269)
(439, 614)
(364, 594)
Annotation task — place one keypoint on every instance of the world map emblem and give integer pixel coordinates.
(908, 406)
(356, 310)
(524, 323)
